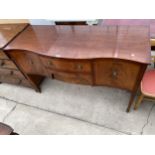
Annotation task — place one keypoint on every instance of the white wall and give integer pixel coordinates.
(51, 22)
(41, 22)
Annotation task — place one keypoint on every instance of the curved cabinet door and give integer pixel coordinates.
(116, 73)
(28, 62)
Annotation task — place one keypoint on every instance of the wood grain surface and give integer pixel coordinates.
(131, 22)
(86, 42)
(9, 32)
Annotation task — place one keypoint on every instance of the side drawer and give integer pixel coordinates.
(16, 81)
(67, 65)
(11, 73)
(10, 80)
(7, 64)
(13, 77)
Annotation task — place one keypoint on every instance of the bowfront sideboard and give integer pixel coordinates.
(115, 56)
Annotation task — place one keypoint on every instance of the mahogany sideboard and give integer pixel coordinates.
(115, 56)
(9, 71)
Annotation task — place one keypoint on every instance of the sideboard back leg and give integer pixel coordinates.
(14, 133)
(36, 81)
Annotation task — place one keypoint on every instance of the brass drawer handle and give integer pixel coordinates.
(114, 74)
(79, 67)
(50, 63)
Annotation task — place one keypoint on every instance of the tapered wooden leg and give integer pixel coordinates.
(131, 101)
(138, 80)
(35, 81)
(52, 76)
(38, 90)
(139, 101)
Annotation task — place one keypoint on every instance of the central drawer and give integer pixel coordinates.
(85, 79)
(67, 65)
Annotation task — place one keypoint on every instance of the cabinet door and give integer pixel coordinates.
(28, 62)
(116, 73)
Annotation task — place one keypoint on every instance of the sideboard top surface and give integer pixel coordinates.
(8, 32)
(142, 22)
(86, 42)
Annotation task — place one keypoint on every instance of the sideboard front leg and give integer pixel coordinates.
(137, 84)
(38, 89)
(131, 101)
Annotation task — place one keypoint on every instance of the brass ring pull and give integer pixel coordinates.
(79, 67)
(50, 63)
(114, 74)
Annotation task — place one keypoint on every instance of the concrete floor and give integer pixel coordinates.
(64, 108)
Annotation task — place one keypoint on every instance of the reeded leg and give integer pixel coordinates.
(139, 101)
